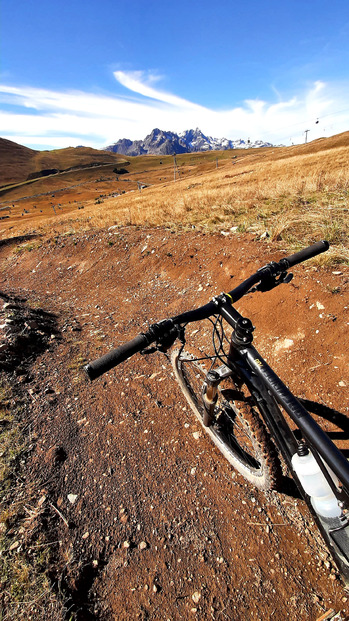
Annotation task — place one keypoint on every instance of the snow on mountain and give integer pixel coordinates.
(159, 142)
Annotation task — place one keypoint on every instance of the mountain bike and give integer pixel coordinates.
(249, 413)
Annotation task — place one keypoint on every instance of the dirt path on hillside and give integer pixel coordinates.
(150, 520)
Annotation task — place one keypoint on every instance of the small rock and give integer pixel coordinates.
(126, 544)
(143, 545)
(196, 435)
(196, 597)
(86, 535)
(72, 498)
(283, 344)
(14, 545)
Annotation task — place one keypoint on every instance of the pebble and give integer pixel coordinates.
(86, 535)
(196, 597)
(143, 545)
(284, 344)
(196, 435)
(72, 498)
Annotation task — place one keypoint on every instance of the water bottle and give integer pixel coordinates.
(315, 483)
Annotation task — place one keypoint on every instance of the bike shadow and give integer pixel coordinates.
(332, 416)
(287, 485)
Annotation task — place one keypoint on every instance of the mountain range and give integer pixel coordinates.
(159, 142)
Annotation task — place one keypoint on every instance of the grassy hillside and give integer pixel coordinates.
(18, 162)
(15, 161)
(295, 195)
(292, 195)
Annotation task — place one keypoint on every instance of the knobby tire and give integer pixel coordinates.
(238, 430)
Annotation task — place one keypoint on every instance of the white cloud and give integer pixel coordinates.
(34, 116)
(135, 81)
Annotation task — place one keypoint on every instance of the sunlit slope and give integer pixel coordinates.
(295, 194)
(292, 195)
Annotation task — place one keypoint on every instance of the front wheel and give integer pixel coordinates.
(237, 429)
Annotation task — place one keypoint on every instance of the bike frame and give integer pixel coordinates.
(245, 361)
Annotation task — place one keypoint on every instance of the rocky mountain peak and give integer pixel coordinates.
(160, 142)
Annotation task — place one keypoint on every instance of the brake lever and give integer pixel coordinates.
(270, 282)
(287, 277)
(164, 341)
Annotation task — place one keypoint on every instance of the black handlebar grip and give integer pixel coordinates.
(306, 253)
(116, 356)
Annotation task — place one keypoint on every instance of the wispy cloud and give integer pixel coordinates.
(139, 82)
(36, 116)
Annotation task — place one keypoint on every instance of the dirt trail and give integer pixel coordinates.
(152, 523)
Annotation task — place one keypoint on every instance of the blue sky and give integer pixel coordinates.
(91, 72)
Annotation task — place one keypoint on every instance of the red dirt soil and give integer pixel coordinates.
(152, 522)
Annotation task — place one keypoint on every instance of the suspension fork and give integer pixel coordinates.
(210, 391)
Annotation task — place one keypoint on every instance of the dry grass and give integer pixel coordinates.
(295, 195)
(295, 201)
(25, 557)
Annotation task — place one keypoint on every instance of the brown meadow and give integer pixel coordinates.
(293, 195)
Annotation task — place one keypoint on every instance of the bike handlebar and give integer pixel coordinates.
(306, 253)
(123, 352)
(274, 269)
(116, 356)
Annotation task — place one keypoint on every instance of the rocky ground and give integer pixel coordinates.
(145, 517)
